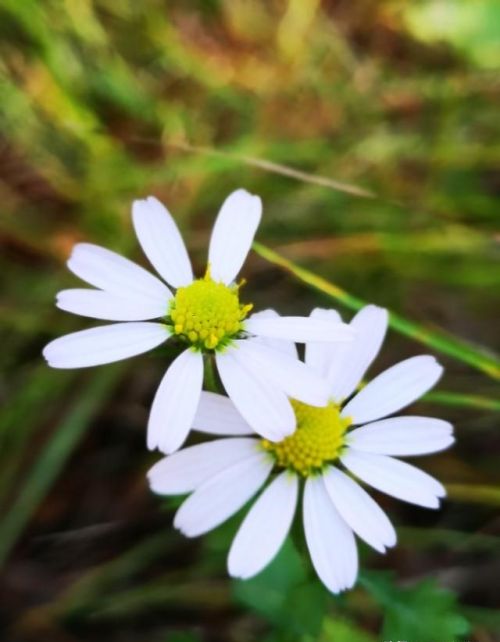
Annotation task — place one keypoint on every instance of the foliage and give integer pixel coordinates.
(470, 26)
(423, 612)
(371, 131)
(285, 596)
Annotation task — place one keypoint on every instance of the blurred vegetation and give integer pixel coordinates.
(370, 129)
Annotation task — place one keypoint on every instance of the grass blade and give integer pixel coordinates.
(460, 400)
(438, 340)
(51, 460)
(475, 493)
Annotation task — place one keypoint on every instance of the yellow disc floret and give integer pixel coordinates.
(207, 314)
(318, 439)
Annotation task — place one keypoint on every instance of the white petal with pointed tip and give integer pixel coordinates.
(394, 477)
(113, 273)
(232, 235)
(300, 329)
(394, 389)
(161, 241)
(218, 415)
(330, 541)
(320, 355)
(370, 326)
(98, 304)
(283, 345)
(359, 510)
(285, 372)
(175, 403)
(265, 528)
(189, 468)
(403, 436)
(265, 407)
(222, 496)
(104, 344)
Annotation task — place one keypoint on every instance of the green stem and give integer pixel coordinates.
(210, 376)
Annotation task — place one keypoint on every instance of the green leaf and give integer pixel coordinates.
(284, 596)
(266, 593)
(341, 630)
(305, 609)
(423, 612)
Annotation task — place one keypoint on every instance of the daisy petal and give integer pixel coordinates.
(98, 304)
(291, 375)
(394, 477)
(264, 406)
(330, 541)
(394, 389)
(218, 415)
(222, 496)
(320, 355)
(175, 403)
(161, 241)
(359, 510)
(265, 528)
(300, 329)
(189, 468)
(115, 274)
(370, 326)
(288, 347)
(403, 436)
(104, 344)
(233, 233)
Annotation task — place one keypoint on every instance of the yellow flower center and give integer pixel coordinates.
(207, 314)
(318, 439)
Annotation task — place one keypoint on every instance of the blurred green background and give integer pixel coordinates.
(371, 131)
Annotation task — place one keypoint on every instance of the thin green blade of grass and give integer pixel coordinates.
(460, 400)
(474, 493)
(108, 577)
(55, 454)
(28, 409)
(435, 339)
(166, 592)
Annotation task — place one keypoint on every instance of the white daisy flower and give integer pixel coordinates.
(223, 475)
(205, 315)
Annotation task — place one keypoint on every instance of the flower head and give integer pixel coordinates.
(317, 440)
(205, 315)
(224, 474)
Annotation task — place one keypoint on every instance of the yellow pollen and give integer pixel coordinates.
(317, 440)
(207, 314)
